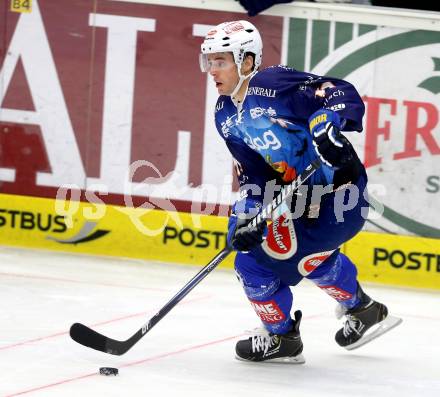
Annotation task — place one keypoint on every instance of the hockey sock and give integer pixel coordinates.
(339, 281)
(270, 298)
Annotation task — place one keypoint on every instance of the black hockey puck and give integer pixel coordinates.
(107, 371)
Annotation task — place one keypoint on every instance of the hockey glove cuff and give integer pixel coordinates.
(330, 145)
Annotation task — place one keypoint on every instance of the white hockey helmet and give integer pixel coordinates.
(238, 37)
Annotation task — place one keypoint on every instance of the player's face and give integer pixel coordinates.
(222, 68)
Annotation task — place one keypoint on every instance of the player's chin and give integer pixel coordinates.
(222, 90)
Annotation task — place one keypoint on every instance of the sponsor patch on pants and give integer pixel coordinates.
(310, 262)
(281, 241)
(268, 311)
(336, 293)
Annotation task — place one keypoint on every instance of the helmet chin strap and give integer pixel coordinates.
(241, 80)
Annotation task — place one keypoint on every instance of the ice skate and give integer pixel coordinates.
(286, 348)
(365, 323)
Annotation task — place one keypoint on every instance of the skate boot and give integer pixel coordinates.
(360, 319)
(273, 348)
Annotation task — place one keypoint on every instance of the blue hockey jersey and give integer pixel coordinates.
(268, 133)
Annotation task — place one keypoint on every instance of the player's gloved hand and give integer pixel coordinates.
(253, 7)
(331, 146)
(241, 237)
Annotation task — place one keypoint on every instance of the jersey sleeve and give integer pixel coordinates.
(305, 93)
(341, 97)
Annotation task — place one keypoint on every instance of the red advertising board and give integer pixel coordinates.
(88, 88)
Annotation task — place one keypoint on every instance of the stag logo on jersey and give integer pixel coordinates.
(268, 311)
(310, 262)
(400, 143)
(281, 241)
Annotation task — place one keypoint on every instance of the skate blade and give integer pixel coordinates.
(299, 359)
(381, 328)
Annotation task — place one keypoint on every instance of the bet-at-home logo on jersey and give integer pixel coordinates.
(397, 73)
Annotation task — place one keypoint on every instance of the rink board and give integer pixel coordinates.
(396, 260)
(178, 237)
(92, 228)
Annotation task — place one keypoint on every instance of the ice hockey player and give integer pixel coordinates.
(274, 122)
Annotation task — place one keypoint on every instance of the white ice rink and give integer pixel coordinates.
(191, 351)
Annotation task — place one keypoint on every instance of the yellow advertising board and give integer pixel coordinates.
(177, 237)
(111, 230)
(396, 260)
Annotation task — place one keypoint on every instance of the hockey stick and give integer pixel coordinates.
(90, 338)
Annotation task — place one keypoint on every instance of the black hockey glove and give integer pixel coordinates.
(253, 7)
(331, 146)
(241, 237)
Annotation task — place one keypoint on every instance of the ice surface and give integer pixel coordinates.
(191, 351)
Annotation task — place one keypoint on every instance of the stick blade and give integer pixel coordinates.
(88, 337)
